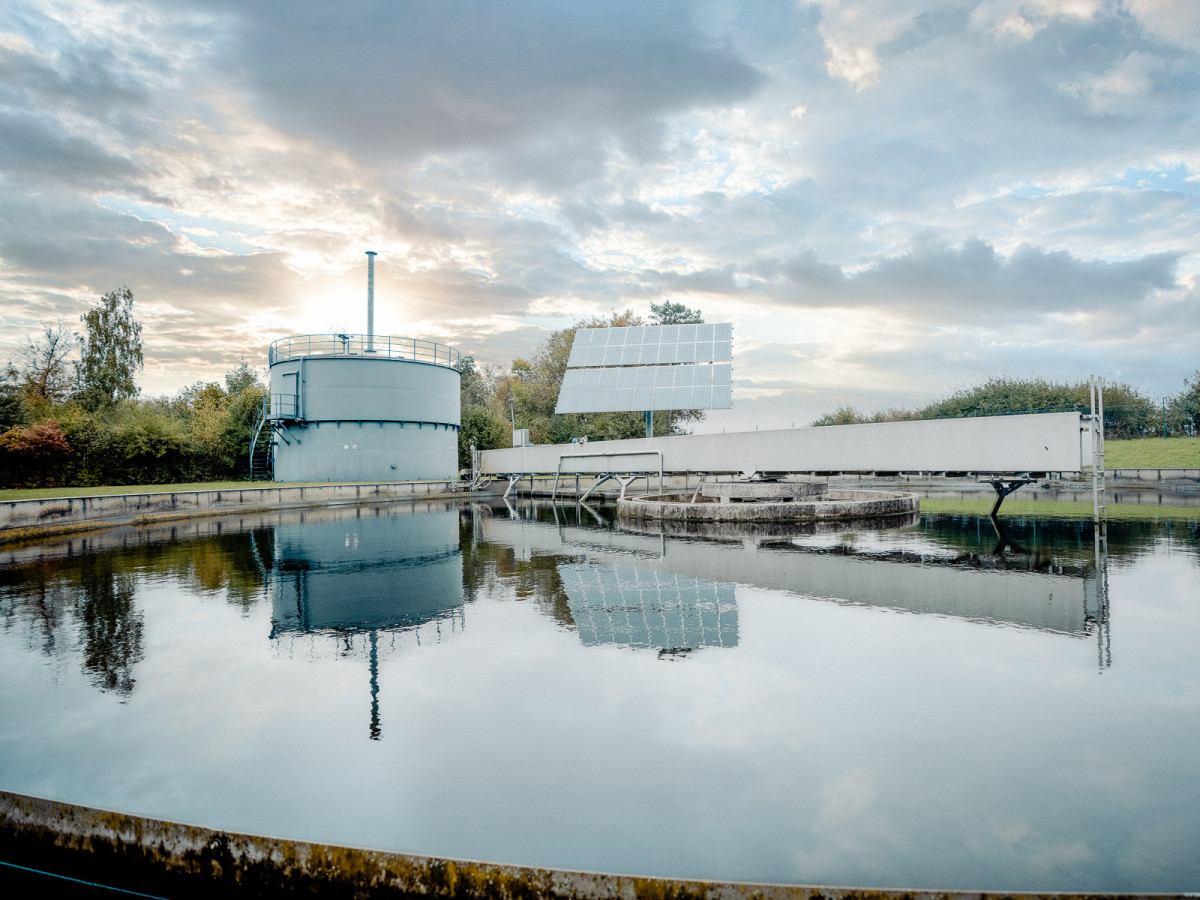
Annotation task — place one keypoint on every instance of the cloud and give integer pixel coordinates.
(974, 283)
(972, 189)
(1174, 22)
(84, 82)
(545, 79)
(34, 150)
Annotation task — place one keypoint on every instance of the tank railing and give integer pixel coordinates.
(367, 346)
(282, 406)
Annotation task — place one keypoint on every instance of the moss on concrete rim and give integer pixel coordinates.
(152, 855)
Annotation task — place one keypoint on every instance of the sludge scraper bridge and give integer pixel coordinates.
(1004, 450)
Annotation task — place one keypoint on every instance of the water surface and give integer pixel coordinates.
(925, 705)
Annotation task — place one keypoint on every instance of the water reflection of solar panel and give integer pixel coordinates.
(643, 608)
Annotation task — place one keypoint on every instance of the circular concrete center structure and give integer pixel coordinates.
(769, 501)
(353, 407)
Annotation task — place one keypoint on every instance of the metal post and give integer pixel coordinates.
(649, 423)
(371, 301)
(1092, 422)
(1103, 485)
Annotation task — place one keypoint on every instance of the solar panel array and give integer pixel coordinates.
(631, 607)
(648, 345)
(648, 367)
(646, 387)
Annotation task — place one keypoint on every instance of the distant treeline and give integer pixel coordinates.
(201, 434)
(70, 415)
(1128, 412)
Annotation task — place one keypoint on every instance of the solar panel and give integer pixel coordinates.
(636, 345)
(648, 367)
(646, 387)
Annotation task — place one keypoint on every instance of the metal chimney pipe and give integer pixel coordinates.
(370, 301)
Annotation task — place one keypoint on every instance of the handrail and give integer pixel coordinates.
(658, 453)
(301, 346)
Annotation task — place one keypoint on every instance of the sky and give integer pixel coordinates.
(890, 200)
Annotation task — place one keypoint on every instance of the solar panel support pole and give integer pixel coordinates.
(649, 423)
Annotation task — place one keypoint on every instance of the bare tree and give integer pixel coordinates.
(42, 369)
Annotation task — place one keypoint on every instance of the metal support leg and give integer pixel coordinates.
(1003, 487)
(512, 482)
(588, 492)
(626, 481)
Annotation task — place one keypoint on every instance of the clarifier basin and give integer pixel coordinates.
(767, 501)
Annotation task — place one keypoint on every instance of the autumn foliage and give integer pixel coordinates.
(32, 456)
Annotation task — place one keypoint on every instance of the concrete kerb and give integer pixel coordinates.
(834, 505)
(23, 519)
(141, 853)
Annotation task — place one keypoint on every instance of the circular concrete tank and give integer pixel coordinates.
(352, 407)
(765, 501)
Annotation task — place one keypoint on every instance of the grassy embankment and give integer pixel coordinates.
(1142, 453)
(1061, 509)
(107, 490)
(1153, 453)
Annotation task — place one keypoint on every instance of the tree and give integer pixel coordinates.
(843, 415)
(242, 415)
(42, 373)
(13, 409)
(152, 443)
(237, 380)
(482, 425)
(1127, 412)
(30, 457)
(110, 352)
(668, 313)
(1185, 408)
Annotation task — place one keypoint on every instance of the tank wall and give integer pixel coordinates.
(366, 420)
(349, 451)
(390, 390)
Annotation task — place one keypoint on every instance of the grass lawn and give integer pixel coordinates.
(1153, 453)
(1059, 509)
(41, 493)
(109, 489)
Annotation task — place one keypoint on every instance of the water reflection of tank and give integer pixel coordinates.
(382, 572)
(362, 575)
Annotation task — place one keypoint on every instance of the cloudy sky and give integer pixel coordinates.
(890, 199)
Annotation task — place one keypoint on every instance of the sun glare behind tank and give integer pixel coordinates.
(359, 407)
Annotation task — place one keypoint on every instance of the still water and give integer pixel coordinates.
(927, 704)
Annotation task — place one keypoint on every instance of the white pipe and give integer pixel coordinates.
(370, 301)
